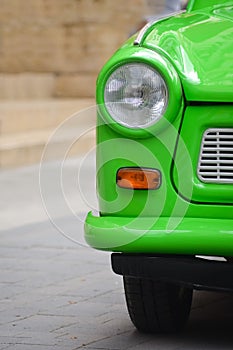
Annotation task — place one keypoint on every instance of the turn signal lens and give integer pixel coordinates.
(139, 178)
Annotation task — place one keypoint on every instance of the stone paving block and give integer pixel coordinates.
(85, 336)
(9, 291)
(7, 277)
(14, 314)
(39, 324)
(30, 347)
(91, 309)
(26, 343)
(147, 342)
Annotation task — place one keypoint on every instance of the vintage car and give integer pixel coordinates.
(165, 163)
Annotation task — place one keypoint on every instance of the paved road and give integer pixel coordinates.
(56, 293)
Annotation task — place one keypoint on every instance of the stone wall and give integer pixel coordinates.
(55, 48)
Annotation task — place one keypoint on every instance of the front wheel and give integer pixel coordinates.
(156, 306)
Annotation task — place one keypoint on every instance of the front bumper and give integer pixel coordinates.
(191, 272)
(163, 235)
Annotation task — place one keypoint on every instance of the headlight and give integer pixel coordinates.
(136, 95)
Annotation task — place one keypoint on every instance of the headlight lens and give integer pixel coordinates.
(136, 95)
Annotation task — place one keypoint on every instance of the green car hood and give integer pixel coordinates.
(199, 44)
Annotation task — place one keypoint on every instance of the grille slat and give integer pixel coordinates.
(212, 155)
(207, 167)
(213, 161)
(218, 148)
(216, 156)
(218, 143)
(208, 173)
(225, 136)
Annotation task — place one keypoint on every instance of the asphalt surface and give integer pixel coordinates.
(57, 293)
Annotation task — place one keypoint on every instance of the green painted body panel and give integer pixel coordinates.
(160, 236)
(200, 46)
(199, 4)
(193, 52)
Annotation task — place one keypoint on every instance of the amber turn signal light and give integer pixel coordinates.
(139, 178)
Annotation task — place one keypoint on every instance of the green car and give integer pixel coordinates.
(165, 163)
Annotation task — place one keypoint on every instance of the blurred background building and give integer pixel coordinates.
(55, 48)
(50, 54)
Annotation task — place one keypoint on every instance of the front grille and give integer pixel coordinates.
(216, 156)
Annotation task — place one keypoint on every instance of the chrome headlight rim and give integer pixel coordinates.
(168, 73)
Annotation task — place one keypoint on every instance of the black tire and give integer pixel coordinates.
(157, 307)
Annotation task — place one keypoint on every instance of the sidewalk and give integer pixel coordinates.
(51, 289)
(61, 295)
